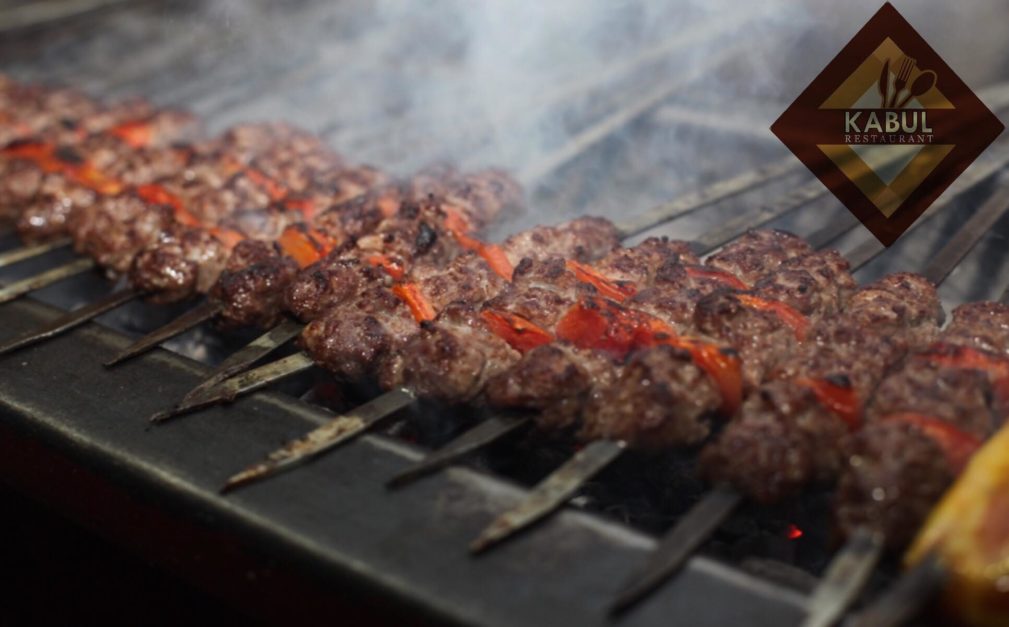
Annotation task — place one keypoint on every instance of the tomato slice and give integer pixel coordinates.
(93, 179)
(597, 323)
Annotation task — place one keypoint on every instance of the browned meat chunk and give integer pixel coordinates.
(661, 399)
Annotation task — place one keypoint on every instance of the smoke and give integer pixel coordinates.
(604, 106)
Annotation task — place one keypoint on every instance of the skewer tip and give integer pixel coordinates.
(403, 479)
(245, 477)
(498, 531)
(163, 416)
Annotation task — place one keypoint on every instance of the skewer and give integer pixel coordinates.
(333, 433)
(34, 15)
(871, 247)
(844, 579)
(729, 230)
(695, 527)
(27, 252)
(192, 318)
(206, 393)
(903, 600)
(661, 560)
(44, 279)
(243, 359)
(242, 384)
(487, 431)
(71, 320)
(549, 494)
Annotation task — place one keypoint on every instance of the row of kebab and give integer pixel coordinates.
(766, 355)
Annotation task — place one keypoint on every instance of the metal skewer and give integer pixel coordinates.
(44, 279)
(237, 363)
(847, 574)
(192, 318)
(688, 536)
(245, 383)
(487, 431)
(71, 320)
(549, 494)
(27, 252)
(335, 432)
(903, 600)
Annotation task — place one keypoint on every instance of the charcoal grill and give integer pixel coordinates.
(328, 540)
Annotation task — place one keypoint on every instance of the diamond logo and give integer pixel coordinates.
(887, 126)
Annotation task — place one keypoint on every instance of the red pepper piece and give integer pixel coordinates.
(725, 369)
(299, 245)
(272, 188)
(158, 195)
(721, 276)
(305, 206)
(227, 237)
(95, 180)
(522, 334)
(618, 291)
(391, 266)
(965, 357)
(137, 133)
(957, 446)
(498, 261)
(419, 306)
(798, 322)
(840, 399)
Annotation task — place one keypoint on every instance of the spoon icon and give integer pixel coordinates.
(924, 82)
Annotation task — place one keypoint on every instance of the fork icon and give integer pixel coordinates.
(907, 66)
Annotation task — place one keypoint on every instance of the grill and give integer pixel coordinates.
(675, 104)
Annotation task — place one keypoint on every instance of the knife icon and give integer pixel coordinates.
(884, 83)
